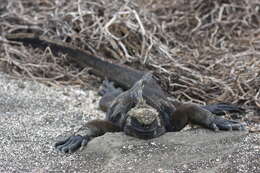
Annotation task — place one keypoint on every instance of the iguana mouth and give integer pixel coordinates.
(144, 128)
(142, 131)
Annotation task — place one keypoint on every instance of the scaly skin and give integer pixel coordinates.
(125, 111)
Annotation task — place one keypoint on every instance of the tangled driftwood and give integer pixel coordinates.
(204, 51)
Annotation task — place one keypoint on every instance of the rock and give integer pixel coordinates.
(196, 149)
(34, 116)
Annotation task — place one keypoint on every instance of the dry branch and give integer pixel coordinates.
(203, 51)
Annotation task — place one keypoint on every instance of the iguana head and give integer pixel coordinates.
(143, 121)
(143, 113)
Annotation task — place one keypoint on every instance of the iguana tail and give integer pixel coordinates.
(123, 76)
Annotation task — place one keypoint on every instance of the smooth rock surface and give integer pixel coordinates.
(33, 117)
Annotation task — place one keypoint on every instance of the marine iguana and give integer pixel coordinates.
(141, 108)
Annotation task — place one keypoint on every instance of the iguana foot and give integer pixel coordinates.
(72, 143)
(108, 92)
(108, 88)
(224, 124)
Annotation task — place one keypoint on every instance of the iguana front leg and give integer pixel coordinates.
(86, 133)
(116, 115)
(194, 114)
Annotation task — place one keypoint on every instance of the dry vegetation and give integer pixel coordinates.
(202, 50)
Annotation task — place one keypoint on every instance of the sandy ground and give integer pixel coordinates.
(33, 117)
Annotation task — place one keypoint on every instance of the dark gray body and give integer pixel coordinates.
(172, 116)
